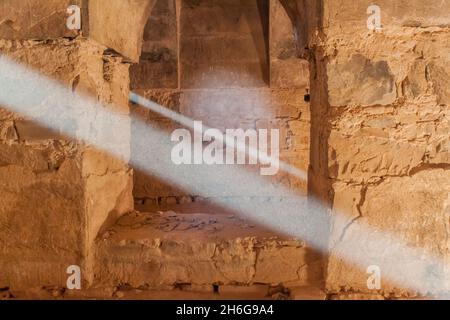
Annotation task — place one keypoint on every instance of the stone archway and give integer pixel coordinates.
(124, 35)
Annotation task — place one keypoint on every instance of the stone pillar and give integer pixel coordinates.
(380, 146)
(57, 192)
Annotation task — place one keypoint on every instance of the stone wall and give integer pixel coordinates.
(158, 65)
(58, 192)
(37, 19)
(177, 251)
(239, 70)
(375, 141)
(380, 152)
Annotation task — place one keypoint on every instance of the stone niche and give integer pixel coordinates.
(56, 192)
(238, 70)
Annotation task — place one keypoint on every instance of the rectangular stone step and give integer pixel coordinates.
(167, 250)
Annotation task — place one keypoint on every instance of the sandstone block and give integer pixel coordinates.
(366, 82)
(36, 19)
(185, 249)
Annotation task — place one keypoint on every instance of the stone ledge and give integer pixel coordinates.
(167, 248)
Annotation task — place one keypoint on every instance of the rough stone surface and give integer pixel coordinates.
(242, 35)
(122, 35)
(227, 51)
(158, 63)
(283, 109)
(286, 69)
(382, 138)
(36, 19)
(375, 143)
(167, 248)
(54, 198)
